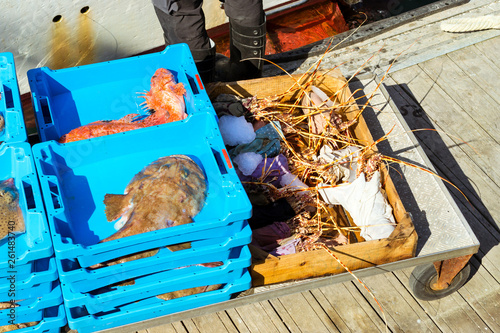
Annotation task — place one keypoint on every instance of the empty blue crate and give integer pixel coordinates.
(12, 128)
(52, 320)
(65, 99)
(173, 280)
(153, 307)
(31, 309)
(34, 243)
(214, 247)
(76, 176)
(19, 269)
(35, 283)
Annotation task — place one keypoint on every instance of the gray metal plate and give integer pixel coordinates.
(440, 225)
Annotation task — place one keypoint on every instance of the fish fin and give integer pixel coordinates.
(179, 89)
(115, 205)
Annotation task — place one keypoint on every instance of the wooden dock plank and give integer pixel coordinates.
(362, 297)
(458, 315)
(179, 327)
(228, 322)
(490, 48)
(330, 310)
(422, 320)
(403, 312)
(273, 315)
(305, 319)
(458, 83)
(241, 322)
(191, 326)
(439, 321)
(320, 312)
(213, 323)
(482, 71)
(449, 118)
(286, 317)
(482, 292)
(342, 301)
(168, 328)
(176, 327)
(256, 317)
(452, 314)
(453, 165)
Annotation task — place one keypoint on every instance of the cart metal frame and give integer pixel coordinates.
(449, 251)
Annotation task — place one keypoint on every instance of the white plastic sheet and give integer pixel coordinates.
(365, 203)
(346, 161)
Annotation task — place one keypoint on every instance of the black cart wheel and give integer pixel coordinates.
(423, 277)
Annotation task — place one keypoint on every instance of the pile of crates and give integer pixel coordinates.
(10, 102)
(30, 291)
(75, 177)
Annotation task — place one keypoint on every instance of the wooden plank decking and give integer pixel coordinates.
(448, 82)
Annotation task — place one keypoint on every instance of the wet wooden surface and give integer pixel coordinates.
(449, 82)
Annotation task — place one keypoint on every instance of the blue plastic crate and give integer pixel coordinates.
(202, 251)
(75, 177)
(53, 319)
(36, 283)
(68, 98)
(155, 284)
(32, 309)
(10, 102)
(23, 269)
(35, 243)
(153, 307)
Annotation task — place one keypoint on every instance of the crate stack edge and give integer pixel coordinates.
(13, 128)
(32, 290)
(74, 178)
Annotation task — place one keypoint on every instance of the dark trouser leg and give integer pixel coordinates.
(248, 13)
(247, 41)
(183, 21)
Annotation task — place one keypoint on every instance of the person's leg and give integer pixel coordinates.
(247, 41)
(247, 13)
(183, 21)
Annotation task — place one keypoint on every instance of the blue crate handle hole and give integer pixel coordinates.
(28, 194)
(8, 96)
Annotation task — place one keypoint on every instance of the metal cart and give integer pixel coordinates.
(445, 240)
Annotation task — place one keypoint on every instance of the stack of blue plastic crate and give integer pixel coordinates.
(75, 177)
(30, 291)
(10, 102)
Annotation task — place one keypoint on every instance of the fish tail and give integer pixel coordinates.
(116, 205)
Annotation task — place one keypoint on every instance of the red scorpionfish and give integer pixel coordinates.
(165, 98)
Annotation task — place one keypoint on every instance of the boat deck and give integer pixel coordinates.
(441, 81)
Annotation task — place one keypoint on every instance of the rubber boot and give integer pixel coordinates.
(205, 62)
(245, 43)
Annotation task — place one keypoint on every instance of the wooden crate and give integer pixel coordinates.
(267, 269)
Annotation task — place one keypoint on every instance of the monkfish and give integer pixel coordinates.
(168, 192)
(165, 102)
(11, 216)
(13, 327)
(188, 292)
(2, 123)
